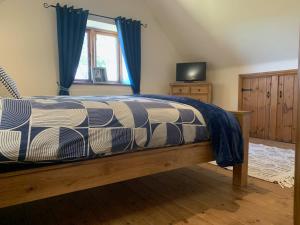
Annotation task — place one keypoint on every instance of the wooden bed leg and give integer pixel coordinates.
(240, 172)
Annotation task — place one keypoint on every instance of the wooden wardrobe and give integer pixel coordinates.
(272, 99)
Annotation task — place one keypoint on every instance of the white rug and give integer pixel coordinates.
(272, 164)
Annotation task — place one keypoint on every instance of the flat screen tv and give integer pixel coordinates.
(190, 72)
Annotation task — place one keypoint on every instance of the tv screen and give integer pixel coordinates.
(191, 71)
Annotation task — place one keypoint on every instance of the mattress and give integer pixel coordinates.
(59, 129)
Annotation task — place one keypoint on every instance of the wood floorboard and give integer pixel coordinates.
(221, 207)
(229, 200)
(197, 209)
(174, 202)
(192, 196)
(164, 207)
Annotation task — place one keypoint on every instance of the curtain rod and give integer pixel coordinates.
(46, 5)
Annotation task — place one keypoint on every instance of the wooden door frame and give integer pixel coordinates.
(297, 162)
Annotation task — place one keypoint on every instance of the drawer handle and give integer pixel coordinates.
(180, 90)
(199, 90)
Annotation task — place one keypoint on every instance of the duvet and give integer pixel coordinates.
(56, 129)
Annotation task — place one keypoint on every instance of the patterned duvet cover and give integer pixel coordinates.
(55, 129)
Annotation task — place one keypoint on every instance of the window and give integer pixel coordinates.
(101, 49)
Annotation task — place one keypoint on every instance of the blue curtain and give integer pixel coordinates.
(71, 25)
(129, 32)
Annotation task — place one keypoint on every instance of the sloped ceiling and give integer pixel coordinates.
(231, 32)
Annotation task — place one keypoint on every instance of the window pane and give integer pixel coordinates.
(125, 78)
(101, 25)
(107, 55)
(83, 67)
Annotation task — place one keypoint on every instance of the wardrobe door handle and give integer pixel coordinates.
(268, 94)
(280, 94)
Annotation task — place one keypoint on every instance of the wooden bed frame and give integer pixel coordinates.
(39, 183)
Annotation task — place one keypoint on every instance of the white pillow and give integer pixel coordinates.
(8, 88)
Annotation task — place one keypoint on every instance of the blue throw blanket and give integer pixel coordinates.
(225, 131)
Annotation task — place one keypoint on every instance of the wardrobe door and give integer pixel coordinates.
(285, 108)
(272, 99)
(273, 108)
(296, 86)
(263, 107)
(249, 101)
(256, 97)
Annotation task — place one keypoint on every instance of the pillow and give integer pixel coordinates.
(8, 87)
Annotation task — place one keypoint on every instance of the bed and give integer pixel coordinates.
(55, 145)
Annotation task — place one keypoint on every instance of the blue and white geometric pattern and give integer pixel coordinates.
(53, 129)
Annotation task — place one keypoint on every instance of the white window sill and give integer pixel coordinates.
(84, 82)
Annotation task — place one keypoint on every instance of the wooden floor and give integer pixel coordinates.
(198, 195)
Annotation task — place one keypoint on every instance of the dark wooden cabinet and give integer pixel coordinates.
(272, 99)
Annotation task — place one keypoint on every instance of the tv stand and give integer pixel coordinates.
(188, 82)
(199, 90)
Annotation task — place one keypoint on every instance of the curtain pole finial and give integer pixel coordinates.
(46, 5)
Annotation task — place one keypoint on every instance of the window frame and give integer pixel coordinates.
(92, 51)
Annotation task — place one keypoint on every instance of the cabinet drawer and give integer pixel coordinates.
(199, 89)
(202, 98)
(180, 90)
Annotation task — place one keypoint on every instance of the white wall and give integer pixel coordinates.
(28, 47)
(225, 81)
(231, 32)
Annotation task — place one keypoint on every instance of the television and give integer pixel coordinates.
(189, 72)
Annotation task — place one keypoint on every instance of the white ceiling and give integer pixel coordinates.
(231, 32)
